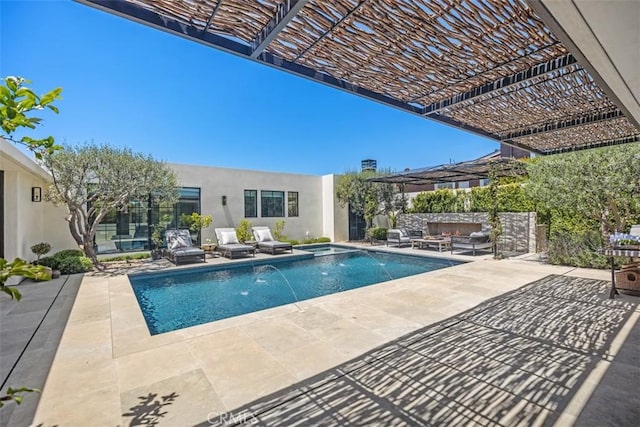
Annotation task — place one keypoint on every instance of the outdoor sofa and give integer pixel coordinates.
(229, 246)
(402, 236)
(478, 240)
(266, 243)
(180, 247)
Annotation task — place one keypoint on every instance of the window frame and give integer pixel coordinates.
(255, 204)
(296, 204)
(266, 204)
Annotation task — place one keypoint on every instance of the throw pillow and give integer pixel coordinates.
(264, 235)
(229, 237)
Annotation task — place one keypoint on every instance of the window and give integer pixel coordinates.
(272, 203)
(463, 184)
(292, 199)
(250, 203)
(484, 182)
(443, 185)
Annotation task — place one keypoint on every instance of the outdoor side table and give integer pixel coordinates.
(209, 248)
(612, 254)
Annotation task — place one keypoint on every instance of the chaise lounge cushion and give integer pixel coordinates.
(180, 248)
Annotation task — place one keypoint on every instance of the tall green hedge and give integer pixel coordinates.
(512, 197)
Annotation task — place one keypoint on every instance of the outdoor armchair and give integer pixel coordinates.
(398, 236)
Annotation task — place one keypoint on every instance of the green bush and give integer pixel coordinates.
(578, 249)
(50, 262)
(66, 253)
(325, 239)
(378, 233)
(293, 241)
(73, 265)
(68, 261)
(244, 231)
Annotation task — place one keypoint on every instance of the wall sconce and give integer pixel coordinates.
(224, 200)
(36, 194)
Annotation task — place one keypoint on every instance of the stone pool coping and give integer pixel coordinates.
(108, 357)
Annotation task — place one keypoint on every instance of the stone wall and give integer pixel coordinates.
(519, 228)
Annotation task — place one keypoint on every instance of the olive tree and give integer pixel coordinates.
(600, 184)
(92, 180)
(368, 198)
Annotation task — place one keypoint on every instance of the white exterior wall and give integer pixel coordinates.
(335, 218)
(215, 182)
(25, 222)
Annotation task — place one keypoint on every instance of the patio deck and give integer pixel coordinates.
(470, 343)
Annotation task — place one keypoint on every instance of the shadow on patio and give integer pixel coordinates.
(518, 359)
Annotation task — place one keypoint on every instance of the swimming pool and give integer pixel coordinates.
(189, 297)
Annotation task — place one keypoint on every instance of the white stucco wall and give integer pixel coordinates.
(335, 218)
(215, 182)
(25, 222)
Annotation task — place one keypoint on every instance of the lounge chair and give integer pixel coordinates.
(398, 236)
(266, 242)
(229, 246)
(180, 248)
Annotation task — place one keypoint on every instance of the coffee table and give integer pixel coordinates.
(441, 243)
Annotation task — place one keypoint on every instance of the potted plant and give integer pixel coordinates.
(40, 249)
(156, 240)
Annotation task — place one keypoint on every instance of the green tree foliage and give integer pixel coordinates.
(17, 101)
(368, 198)
(92, 180)
(601, 185)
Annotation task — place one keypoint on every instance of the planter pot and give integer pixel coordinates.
(55, 274)
(156, 255)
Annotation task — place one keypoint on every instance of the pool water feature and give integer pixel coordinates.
(189, 297)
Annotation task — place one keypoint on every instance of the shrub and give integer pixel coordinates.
(40, 249)
(68, 261)
(50, 262)
(293, 241)
(378, 233)
(142, 255)
(577, 249)
(325, 239)
(73, 265)
(244, 231)
(66, 253)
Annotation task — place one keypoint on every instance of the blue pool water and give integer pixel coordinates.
(179, 299)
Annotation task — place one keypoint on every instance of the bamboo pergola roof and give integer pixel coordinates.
(456, 172)
(491, 67)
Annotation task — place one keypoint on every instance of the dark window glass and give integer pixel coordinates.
(272, 203)
(131, 229)
(250, 203)
(292, 200)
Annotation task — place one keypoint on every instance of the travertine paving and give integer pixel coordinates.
(127, 377)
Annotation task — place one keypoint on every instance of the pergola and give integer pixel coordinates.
(491, 67)
(456, 172)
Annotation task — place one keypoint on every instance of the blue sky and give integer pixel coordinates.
(126, 84)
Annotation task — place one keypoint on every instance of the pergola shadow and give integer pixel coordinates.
(517, 359)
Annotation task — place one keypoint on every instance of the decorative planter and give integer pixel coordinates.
(628, 281)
